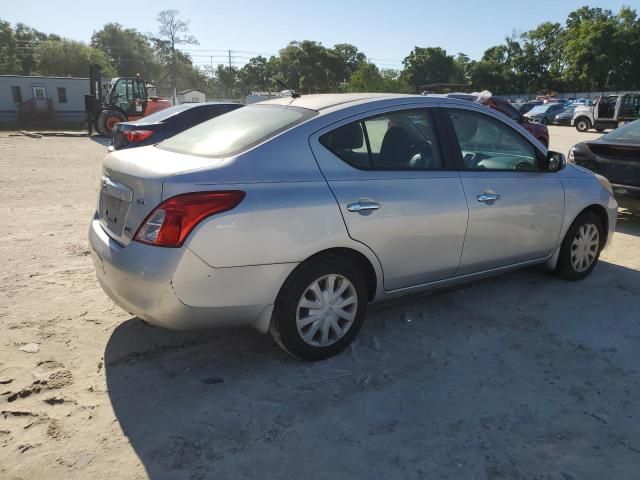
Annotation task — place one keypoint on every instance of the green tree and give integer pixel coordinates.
(350, 58)
(257, 74)
(130, 50)
(309, 67)
(365, 78)
(9, 62)
(173, 32)
(428, 65)
(70, 58)
(28, 39)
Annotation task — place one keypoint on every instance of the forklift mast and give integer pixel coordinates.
(94, 101)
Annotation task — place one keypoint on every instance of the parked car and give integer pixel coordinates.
(586, 102)
(540, 132)
(564, 117)
(166, 123)
(608, 112)
(615, 155)
(292, 215)
(544, 114)
(525, 107)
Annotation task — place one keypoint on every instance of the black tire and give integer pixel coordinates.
(283, 327)
(565, 268)
(583, 124)
(599, 129)
(105, 118)
(545, 121)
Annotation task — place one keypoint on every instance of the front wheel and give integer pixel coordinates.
(583, 124)
(581, 247)
(320, 308)
(545, 121)
(107, 120)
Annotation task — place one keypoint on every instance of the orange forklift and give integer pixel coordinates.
(121, 100)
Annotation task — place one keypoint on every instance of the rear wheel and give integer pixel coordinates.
(581, 247)
(107, 120)
(320, 308)
(583, 124)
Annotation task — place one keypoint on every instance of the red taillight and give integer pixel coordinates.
(134, 136)
(171, 222)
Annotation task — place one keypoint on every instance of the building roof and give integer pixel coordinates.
(45, 77)
(182, 92)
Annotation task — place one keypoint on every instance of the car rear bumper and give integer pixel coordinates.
(173, 288)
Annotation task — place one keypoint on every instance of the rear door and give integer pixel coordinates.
(398, 192)
(515, 208)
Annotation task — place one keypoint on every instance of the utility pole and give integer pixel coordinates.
(231, 79)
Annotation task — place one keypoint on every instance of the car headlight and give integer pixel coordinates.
(605, 183)
(571, 157)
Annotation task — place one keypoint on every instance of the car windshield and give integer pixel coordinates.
(539, 109)
(627, 133)
(237, 131)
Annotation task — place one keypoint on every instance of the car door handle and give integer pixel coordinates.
(360, 206)
(488, 197)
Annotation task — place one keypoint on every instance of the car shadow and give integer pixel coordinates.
(628, 216)
(105, 141)
(517, 376)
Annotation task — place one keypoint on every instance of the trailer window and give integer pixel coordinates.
(17, 94)
(62, 95)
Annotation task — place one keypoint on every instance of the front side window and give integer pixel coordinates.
(62, 95)
(487, 144)
(394, 141)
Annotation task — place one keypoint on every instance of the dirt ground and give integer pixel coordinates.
(520, 376)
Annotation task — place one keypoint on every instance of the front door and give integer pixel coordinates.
(606, 108)
(515, 208)
(397, 193)
(39, 93)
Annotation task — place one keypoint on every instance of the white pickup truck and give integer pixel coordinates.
(607, 112)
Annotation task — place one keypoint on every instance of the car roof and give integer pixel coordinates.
(335, 101)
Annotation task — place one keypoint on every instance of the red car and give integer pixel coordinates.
(538, 130)
(541, 132)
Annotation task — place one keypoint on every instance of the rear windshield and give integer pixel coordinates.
(539, 109)
(237, 131)
(166, 113)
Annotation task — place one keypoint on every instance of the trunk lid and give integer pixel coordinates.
(132, 183)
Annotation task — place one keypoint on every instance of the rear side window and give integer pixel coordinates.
(487, 144)
(405, 140)
(237, 131)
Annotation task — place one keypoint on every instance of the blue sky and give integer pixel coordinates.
(386, 30)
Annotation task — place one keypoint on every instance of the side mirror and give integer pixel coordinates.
(556, 161)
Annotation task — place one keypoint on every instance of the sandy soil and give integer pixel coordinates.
(521, 376)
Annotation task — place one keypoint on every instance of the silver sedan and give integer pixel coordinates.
(292, 215)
